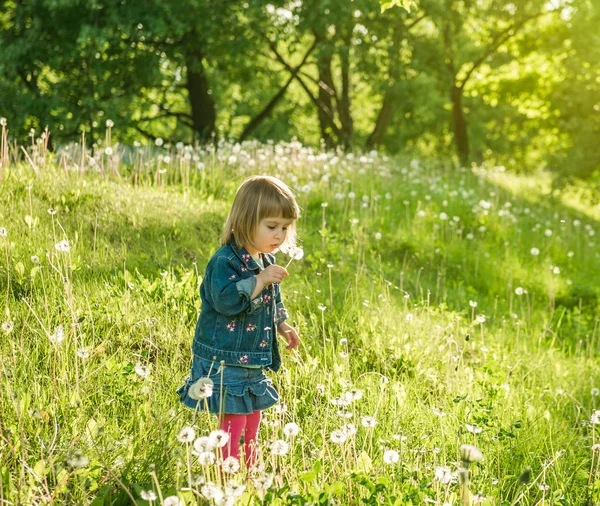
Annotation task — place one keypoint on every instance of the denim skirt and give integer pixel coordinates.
(236, 390)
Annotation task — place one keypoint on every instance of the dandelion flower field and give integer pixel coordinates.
(448, 324)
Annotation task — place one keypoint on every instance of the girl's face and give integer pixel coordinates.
(270, 234)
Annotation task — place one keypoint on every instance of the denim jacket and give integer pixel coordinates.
(232, 326)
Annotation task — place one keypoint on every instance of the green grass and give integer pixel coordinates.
(397, 324)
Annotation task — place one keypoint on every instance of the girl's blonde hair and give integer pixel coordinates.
(257, 198)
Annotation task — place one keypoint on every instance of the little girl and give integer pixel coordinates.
(235, 335)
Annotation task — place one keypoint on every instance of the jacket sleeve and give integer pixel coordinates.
(227, 293)
(281, 313)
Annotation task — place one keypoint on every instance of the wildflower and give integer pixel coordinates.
(203, 444)
(548, 232)
(378, 236)
(172, 500)
(478, 499)
(148, 495)
(58, 335)
(480, 318)
(109, 123)
(338, 436)
(8, 326)
(519, 290)
(35, 259)
(3, 232)
(159, 142)
(206, 458)
(443, 475)
(409, 317)
(322, 307)
(231, 465)
(201, 389)
(534, 252)
(63, 246)
(320, 389)
(186, 435)
(291, 429)
(218, 438)
(368, 421)
(595, 392)
(234, 489)
(544, 487)
(349, 429)
(108, 151)
(280, 447)
(470, 454)
(3, 122)
(391, 457)
(355, 394)
(472, 303)
(595, 419)
(443, 216)
(556, 270)
(438, 411)
(78, 460)
(596, 447)
(141, 370)
(264, 482)
(83, 353)
(475, 429)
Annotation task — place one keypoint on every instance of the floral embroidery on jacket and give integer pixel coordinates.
(251, 327)
(243, 359)
(267, 298)
(246, 257)
(233, 276)
(231, 325)
(263, 343)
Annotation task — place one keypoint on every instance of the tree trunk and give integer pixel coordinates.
(204, 112)
(326, 91)
(385, 113)
(459, 124)
(344, 102)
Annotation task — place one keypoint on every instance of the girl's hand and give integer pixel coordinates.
(290, 334)
(272, 274)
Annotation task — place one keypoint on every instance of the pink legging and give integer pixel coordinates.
(236, 426)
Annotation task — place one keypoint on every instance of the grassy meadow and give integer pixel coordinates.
(437, 308)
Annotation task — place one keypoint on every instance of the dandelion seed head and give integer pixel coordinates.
(264, 482)
(8, 326)
(148, 495)
(291, 429)
(391, 457)
(338, 436)
(231, 465)
(143, 371)
(3, 232)
(368, 421)
(280, 447)
(63, 246)
(58, 336)
(78, 460)
(470, 454)
(218, 438)
(172, 500)
(443, 474)
(201, 389)
(186, 435)
(203, 444)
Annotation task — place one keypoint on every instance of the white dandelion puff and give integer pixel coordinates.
(186, 435)
(368, 421)
(203, 444)
(338, 436)
(172, 500)
(63, 246)
(8, 326)
(201, 389)
(391, 457)
(291, 429)
(218, 438)
(143, 371)
(443, 475)
(231, 465)
(148, 495)
(280, 447)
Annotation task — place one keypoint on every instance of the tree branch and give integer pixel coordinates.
(498, 40)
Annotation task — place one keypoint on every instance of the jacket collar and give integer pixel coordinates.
(246, 258)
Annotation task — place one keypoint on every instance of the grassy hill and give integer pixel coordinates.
(436, 308)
